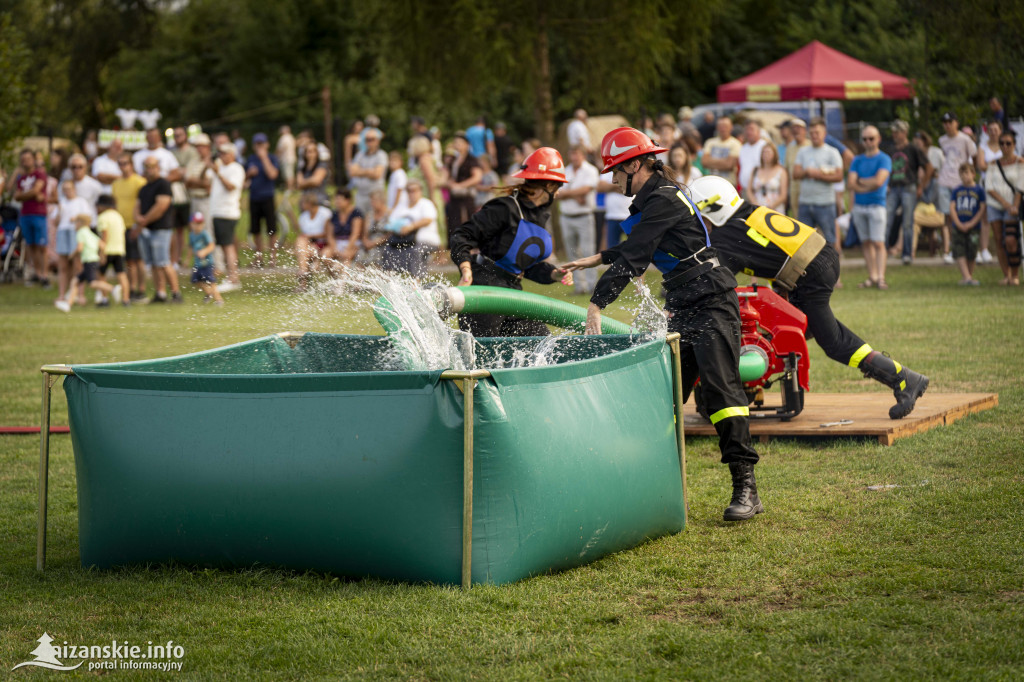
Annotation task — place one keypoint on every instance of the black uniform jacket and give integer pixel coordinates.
(668, 224)
(492, 230)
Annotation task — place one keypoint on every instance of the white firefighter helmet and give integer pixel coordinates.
(716, 198)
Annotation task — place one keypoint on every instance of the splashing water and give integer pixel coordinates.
(425, 342)
(648, 315)
(515, 355)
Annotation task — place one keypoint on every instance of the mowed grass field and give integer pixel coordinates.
(834, 581)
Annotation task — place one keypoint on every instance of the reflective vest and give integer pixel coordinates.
(664, 261)
(801, 243)
(531, 245)
(768, 226)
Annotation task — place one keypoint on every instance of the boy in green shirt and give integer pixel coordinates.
(89, 248)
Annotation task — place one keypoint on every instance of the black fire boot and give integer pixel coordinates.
(907, 385)
(745, 503)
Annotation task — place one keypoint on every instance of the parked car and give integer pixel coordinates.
(834, 116)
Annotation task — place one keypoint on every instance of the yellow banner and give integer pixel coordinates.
(764, 93)
(863, 89)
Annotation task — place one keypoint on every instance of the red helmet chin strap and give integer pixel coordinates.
(628, 191)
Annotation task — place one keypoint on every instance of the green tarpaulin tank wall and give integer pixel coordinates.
(297, 451)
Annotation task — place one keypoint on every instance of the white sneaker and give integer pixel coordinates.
(947, 258)
(62, 305)
(225, 287)
(985, 257)
(115, 295)
(98, 298)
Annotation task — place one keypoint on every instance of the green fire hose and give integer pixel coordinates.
(501, 301)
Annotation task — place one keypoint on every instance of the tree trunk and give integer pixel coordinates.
(543, 114)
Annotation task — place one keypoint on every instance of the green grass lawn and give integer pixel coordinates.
(922, 581)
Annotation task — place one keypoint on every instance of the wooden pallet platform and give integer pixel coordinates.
(868, 411)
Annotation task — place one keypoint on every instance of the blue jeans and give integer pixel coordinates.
(614, 232)
(821, 216)
(905, 196)
(156, 247)
(931, 193)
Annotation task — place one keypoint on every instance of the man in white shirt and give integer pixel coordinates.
(105, 167)
(578, 133)
(578, 198)
(817, 167)
(367, 171)
(750, 153)
(170, 169)
(226, 180)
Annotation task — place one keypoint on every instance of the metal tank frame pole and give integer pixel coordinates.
(677, 395)
(49, 373)
(466, 382)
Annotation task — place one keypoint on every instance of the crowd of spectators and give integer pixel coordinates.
(392, 205)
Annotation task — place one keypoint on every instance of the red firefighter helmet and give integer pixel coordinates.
(543, 164)
(623, 144)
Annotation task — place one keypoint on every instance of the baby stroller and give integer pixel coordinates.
(12, 246)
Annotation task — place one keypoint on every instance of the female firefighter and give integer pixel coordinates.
(506, 240)
(665, 229)
(764, 243)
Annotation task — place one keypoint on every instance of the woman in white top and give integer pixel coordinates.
(769, 186)
(70, 206)
(314, 235)
(416, 235)
(990, 150)
(989, 153)
(681, 162)
(1004, 183)
(428, 235)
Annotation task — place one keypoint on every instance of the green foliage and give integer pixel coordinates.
(15, 84)
(250, 63)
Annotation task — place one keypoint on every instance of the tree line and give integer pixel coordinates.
(66, 66)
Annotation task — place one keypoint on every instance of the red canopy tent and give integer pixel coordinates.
(816, 71)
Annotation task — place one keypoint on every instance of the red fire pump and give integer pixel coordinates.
(773, 350)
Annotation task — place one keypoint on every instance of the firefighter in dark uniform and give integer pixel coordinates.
(506, 240)
(764, 243)
(666, 229)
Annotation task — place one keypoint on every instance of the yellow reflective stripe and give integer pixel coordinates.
(758, 237)
(899, 367)
(903, 385)
(727, 412)
(710, 200)
(859, 355)
(682, 198)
